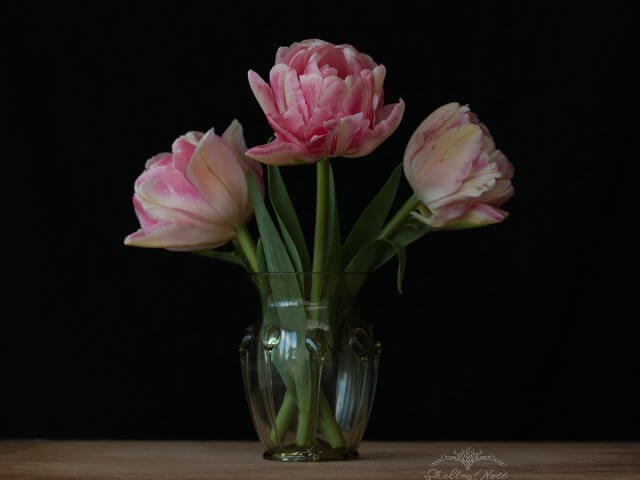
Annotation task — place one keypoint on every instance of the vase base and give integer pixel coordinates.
(322, 453)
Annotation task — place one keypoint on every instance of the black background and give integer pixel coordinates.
(524, 330)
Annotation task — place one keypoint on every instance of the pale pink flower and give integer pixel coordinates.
(197, 196)
(323, 100)
(456, 172)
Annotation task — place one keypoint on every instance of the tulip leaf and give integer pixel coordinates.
(288, 221)
(262, 263)
(367, 258)
(372, 219)
(275, 253)
(283, 288)
(404, 237)
(231, 257)
(333, 229)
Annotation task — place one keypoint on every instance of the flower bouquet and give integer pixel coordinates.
(310, 363)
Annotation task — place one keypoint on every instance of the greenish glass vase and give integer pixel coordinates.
(310, 366)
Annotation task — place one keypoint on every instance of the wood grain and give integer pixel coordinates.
(98, 460)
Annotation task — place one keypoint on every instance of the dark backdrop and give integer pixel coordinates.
(524, 330)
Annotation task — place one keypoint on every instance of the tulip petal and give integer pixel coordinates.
(262, 92)
(145, 218)
(216, 171)
(499, 194)
(430, 126)
(280, 152)
(473, 187)
(331, 96)
(234, 136)
(343, 134)
(389, 118)
(294, 95)
(379, 73)
(183, 147)
(180, 235)
(159, 160)
(479, 215)
(359, 95)
(311, 86)
(504, 165)
(168, 187)
(277, 77)
(447, 163)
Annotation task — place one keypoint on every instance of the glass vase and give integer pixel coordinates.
(309, 366)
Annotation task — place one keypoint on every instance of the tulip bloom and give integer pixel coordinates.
(323, 100)
(197, 196)
(456, 172)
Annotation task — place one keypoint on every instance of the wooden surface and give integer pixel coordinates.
(92, 460)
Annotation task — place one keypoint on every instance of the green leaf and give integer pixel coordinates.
(404, 237)
(275, 253)
(372, 218)
(288, 221)
(333, 229)
(402, 263)
(231, 257)
(283, 288)
(367, 258)
(262, 263)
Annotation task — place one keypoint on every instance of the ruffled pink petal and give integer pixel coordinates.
(311, 86)
(359, 95)
(343, 134)
(277, 77)
(332, 94)
(474, 186)
(504, 165)
(262, 92)
(292, 122)
(379, 73)
(499, 194)
(277, 120)
(389, 118)
(317, 124)
(280, 152)
(294, 95)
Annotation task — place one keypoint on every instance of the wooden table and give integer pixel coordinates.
(92, 460)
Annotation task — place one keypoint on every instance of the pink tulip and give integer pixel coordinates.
(323, 100)
(456, 172)
(195, 197)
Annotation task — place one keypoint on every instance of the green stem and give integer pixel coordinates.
(327, 424)
(247, 246)
(284, 418)
(399, 218)
(322, 194)
(306, 427)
